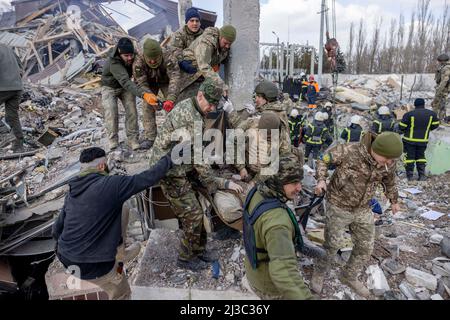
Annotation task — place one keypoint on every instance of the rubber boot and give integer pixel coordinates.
(421, 171)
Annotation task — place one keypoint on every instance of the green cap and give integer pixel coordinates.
(212, 90)
(152, 49)
(228, 32)
(388, 144)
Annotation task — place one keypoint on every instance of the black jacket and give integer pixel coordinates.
(352, 133)
(317, 134)
(88, 229)
(383, 123)
(417, 124)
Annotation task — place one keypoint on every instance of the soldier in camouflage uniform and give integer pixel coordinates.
(277, 236)
(183, 37)
(177, 186)
(117, 85)
(154, 70)
(203, 58)
(442, 78)
(360, 168)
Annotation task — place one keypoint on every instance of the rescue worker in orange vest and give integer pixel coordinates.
(312, 92)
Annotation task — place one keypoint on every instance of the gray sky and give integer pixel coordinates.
(297, 20)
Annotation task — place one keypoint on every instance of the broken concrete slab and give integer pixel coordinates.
(436, 297)
(436, 238)
(407, 290)
(376, 280)
(420, 278)
(393, 266)
(445, 246)
(346, 95)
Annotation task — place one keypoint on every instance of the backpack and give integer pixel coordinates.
(249, 220)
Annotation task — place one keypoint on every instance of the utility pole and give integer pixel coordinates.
(278, 59)
(322, 18)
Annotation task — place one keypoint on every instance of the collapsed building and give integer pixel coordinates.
(61, 111)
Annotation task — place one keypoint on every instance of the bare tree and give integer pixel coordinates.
(360, 45)
(375, 43)
(350, 48)
(424, 22)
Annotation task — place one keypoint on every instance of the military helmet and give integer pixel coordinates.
(268, 90)
(443, 57)
(384, 111)
(325, 116)
(328, 104)
(355, 119)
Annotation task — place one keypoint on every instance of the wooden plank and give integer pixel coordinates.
(50, 52)
(35, 15)
(29, 69)
(55, 37)
(41, 65)
(89, 82)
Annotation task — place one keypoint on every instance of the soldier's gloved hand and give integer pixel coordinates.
(320, 188)
(187, 66)
(150, 98)
(168, 105)
(228, 106)
(230, 185)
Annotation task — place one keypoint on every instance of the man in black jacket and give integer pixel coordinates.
(416, 126)
(89, 228)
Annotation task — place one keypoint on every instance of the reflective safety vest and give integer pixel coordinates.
(417, 124)
(315, 134)
(383, 124)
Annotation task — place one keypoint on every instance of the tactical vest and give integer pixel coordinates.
(249, 233)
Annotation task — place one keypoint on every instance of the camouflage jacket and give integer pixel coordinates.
(166, 77)
(205, 53)
(183, 117)
(279, 109)
(357, 175)
(180, 40)
(442, 78)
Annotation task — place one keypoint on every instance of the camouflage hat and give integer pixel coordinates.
(388, 144)
(268, 90)
(212, 91)
(152, 49)
(290, 169)
(228, 32)
(268, 121)
(443, 57)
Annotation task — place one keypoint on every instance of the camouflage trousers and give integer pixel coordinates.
(439, 104)
(149, 121)
(110, 97)
(12, 100)
(362, 230)
(187, 208)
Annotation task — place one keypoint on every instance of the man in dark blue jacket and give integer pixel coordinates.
(416, 126)
(89, 228)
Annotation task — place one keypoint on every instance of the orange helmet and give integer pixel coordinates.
(311, 77)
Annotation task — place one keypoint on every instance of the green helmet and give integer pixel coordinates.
(268, 90)
(443, 57)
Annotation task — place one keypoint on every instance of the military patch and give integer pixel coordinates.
(326, 158)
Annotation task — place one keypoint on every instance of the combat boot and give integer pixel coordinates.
(146, 144)
(226, 233)
(421, 171)
(316, 282)
(356, 285)
(17, 146)
(194, 264)
(208, 256)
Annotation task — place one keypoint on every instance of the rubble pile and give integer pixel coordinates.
(62, 43)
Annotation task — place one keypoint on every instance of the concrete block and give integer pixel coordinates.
(436, 297)
(445, 246)
(420, 278)
(436, 238)
(155, 293)
(407, 290)
(376, 280)
(392, 266)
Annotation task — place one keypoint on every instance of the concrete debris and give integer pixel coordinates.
(408, 290)
(445, 246)
(392, 266)
(376, 280)
(436, 238)
(436, 297)
(420, 278)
